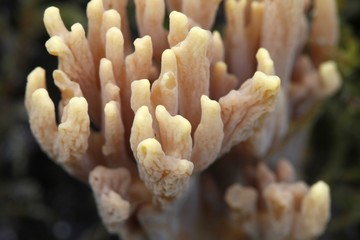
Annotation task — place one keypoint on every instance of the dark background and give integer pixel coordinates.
(38, 200)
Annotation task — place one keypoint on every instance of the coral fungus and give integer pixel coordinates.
(174, 131)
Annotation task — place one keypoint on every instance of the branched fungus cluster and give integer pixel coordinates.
(174, 130)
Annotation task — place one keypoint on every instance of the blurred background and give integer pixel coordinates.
(38, 200)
